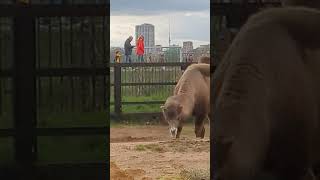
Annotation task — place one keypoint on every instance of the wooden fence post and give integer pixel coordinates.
(117, 90)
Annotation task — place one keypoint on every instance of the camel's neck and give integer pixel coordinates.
(187, 103)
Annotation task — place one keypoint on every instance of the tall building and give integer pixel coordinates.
(187, 50)
(147, 31)
(187, 46)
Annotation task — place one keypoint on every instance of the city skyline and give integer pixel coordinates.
(189, 21)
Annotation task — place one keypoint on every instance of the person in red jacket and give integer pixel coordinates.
(140, 48)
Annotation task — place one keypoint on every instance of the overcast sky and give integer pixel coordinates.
(189, 20)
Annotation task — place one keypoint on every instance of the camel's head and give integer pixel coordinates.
(172, 113)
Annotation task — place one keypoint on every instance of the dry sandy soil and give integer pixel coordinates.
(148, 152)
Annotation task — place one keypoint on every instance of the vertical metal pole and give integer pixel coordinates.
(105, 62)
(50, 105)
(61, 58)
(1, 54)
(94, 53)
(38, 60)
(24, 93)
(83, 80)
(71, 64)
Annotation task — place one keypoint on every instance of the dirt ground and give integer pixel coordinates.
(148, 152)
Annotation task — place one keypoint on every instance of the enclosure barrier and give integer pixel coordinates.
(25, 68)
(144, 75)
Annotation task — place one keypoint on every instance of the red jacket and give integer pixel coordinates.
(140, 46)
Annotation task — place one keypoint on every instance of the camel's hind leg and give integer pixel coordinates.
(199, 126)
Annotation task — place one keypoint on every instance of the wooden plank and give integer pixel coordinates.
(146, 84)
(117, 90)
(170, 64)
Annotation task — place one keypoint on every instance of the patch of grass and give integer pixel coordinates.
(195, 174)
(141, 107)
(154, 147)
(150, 147)
(140, 147)
(153, 97)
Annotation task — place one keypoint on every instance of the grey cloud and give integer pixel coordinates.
(152, 7)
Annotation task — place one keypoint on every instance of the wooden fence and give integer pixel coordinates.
(142, 80)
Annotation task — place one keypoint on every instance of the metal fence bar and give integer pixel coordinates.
(1, 59)
(60, 56)
(82, 84)
(71, 63)
(104, 60)
(24, 92)
(38, 61)
(94, 54)
(50, 60)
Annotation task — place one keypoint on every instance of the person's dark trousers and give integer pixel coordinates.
(128, 58)
(140, 58)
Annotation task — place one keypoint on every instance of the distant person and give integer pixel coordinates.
(128, 49)
(190, 58)
(117, 57)
(140, 48)
(150, 58)
(161, 58)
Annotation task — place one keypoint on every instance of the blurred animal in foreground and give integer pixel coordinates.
(266, 98)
